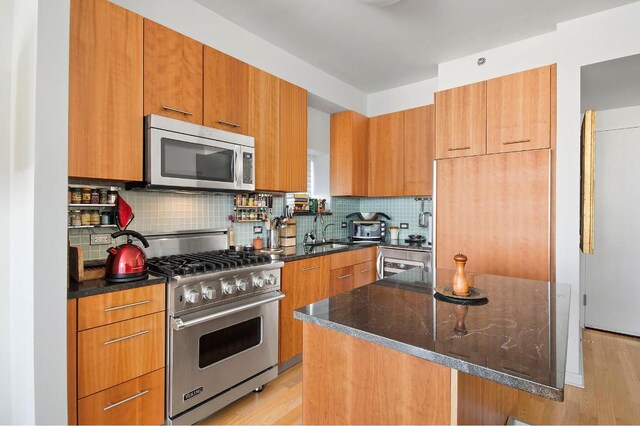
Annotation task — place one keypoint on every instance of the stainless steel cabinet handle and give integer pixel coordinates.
(342, 277)
(130, 305)
(228, 123)
(460, 149)
(512, 142)
(181, 111)
(310, 268)
(130, 336)
(115, 404)
(365, 270)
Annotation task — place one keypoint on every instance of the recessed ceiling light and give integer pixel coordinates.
(379, 3)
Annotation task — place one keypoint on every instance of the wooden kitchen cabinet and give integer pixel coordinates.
(519, 110)
(419, 145)
(341, 280)
(364, 273)
(226, 92)
(172, 74)
(72, 361)
(386, 155)
(303, 282)
(349, 154)
(293, 138)
(105, 91)
(461, 121)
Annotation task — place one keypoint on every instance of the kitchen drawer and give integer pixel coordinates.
(348, 258)
(115, 353)
(341, 280)
(364, 273)
(138, 401)
(116, 306)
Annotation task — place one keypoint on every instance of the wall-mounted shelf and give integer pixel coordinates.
(91, 206)
(90, 226)
(312, 214)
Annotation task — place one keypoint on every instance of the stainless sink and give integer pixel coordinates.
(329, 244)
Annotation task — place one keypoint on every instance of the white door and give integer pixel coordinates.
(613, 270)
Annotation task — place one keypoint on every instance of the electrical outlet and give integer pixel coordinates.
(343, 225)
(404, 226)
(100, 239)
(257, 229)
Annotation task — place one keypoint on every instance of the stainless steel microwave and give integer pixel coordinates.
(185, 155)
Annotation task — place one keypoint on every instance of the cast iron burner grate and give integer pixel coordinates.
(211, 261)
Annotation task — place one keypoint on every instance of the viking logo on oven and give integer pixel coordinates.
(191, 394)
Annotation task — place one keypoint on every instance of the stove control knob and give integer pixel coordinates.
(209, 293)
(258, 282)
(242, 284)
(229, 288)
(271, 279)
(192, 296)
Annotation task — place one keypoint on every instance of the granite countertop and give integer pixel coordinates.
(98, 286)
(305, 252)
(518, 338)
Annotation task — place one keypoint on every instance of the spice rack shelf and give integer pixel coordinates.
(90, 226)
(92, 206)
(84, 214)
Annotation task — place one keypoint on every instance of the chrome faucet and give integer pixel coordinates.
(324, 231)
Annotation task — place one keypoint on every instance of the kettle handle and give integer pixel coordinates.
(133, 234)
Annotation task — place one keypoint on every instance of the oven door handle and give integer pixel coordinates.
(177, 323)
(380, 266)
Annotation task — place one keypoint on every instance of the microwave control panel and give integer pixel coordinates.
(247, 167)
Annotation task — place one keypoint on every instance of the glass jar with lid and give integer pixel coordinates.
(75, 218)
(95, 217)
(86, 195)
(85, 217)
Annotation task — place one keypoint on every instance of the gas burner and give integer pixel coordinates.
(210, 261)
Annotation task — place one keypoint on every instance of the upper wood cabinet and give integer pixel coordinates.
(349, 154)
(386, 155)
(172, 74)
(419, 141)
(293, 137)
(461, 121)
(519, 110)
(226, 92)
(105, 92)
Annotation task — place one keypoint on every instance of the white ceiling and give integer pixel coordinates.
(611, 84)
(376, 48)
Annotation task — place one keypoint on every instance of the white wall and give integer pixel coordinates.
(318, 136)
(202, 24)
(401, 98)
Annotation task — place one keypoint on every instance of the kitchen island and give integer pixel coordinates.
(393, 352)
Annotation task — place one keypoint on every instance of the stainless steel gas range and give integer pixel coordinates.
(222, 321)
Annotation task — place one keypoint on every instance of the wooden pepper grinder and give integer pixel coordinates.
(460, 284)
(460, 311)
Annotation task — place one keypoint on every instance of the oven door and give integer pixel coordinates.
(395, 261)
(179, 160)
(209, 356)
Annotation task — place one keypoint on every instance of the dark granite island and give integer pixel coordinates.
(391, 352)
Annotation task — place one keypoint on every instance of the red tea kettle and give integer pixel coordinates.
(127, 262)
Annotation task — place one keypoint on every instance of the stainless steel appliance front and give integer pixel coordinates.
(186, 155)
(391, 261)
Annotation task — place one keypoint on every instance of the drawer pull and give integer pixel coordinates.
(342, 277)
(181, 111)
(130, 336)
(115, 404)
(514, 142)
(460, 149)
(130, 305)
(228, 123)
(365, 270)
(310, 268)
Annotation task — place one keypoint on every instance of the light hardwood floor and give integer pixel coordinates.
(611, 394)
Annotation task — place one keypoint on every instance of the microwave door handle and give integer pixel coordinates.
(236, 168)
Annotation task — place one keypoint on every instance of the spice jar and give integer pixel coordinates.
(86, 195)
(85, 217)
(112, 195)
(95, 196)
(95, 217)
(76, 195)
(104, 197)
(105, 219)
(75, 218)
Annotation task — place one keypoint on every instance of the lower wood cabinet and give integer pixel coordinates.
(364, 273)
(341, 280)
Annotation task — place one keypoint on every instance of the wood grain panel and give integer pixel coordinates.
(102, 364)
(226, 92)
(349, 154)
(264, 126)
(351, 257)
(495, 209)
(481, 402)
(105, 91)
(553, 136)
(72, 361)
(419, 146)
(293, 138)
(172, 73)
(461, 121)
(386, 155)
(303, 282)
(340, 280)
(147, 409)
(518, 111)
(364, 273)
(116, 306)
(350, 381)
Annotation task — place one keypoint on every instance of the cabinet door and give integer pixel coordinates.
(461, 121)
(519, 111)
(72, 361)
(349, 154)
(105, 92)
(264, 126)
(226, 92)
(341, 280)
(419, 141)
(364, 273)
(172, 74)
(303, 282)
(293, 137)
(386, 155)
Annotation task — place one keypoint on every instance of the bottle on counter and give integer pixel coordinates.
(231, 235)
